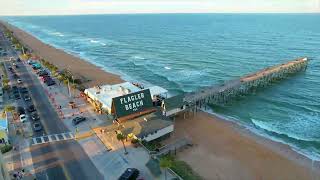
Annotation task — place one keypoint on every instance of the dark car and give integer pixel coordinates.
(43, 73)
(37, 127)
(35, 116)
(26, 97)
(50, 82)
(17, 96)
(18, 60)
(31, 108)
(15, 76)
(15, 91)
(20, 110)
(78, 120)
(130, 174)
(24, 90)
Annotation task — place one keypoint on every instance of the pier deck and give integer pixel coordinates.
(223, 93)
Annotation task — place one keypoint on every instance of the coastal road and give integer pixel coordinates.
(58, 160)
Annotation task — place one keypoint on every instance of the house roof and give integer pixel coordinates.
(174, 102)
(145, 125)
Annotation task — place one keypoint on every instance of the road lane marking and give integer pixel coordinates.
(52, 138)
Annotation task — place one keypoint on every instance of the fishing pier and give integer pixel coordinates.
(244, 85)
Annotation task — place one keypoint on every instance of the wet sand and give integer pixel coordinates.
(224, 150)
(94, 75)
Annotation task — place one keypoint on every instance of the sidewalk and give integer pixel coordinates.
(21, 157)
(105, 151)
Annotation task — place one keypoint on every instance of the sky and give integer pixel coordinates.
(64, 7)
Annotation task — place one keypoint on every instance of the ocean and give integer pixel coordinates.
(184, 52)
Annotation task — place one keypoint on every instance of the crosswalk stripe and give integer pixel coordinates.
(49, 137)
(52, 138)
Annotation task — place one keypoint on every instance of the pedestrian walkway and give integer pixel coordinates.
(52, 138)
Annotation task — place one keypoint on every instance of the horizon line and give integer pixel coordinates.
(151, 13)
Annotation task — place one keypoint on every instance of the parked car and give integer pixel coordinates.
(15, 76)
(24, 90)
(20, 110)
(18, 60)
(17, 96)
(77, 120)
(37, 127)
(27, 97)
(15, 91)
(43, 73)
(50, 82)
(130, 174)
(31, 108)
(45, 78)
(35, 116)
(23, 118)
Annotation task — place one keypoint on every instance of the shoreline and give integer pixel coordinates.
(93, 74)
(255, 132)
(99, 76)
(230, 151)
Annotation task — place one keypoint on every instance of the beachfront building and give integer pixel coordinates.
(173, 105)
(3, 131)
(148, 127)
(102, 96)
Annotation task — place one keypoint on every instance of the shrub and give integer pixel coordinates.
(135, 141)
(184, 170)
(6, 148)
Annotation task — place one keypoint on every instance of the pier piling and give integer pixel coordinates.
(244, 85)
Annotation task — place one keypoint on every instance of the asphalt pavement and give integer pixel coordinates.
(57, 160)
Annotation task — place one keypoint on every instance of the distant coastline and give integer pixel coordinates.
(97, 76)
(93, 74)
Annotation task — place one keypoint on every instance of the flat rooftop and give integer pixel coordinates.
(144, 125)
(105, 93)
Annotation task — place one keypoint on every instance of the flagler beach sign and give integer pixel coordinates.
(132, 103)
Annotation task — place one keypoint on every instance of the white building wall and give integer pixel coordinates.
(159, 133)
(173, 111)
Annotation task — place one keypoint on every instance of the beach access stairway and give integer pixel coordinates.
(244, 85)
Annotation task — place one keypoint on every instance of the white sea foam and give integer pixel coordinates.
(57, 34)
(138, 57)
(94, 41)
(310, 153)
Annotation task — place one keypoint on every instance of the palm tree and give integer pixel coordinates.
(121, 138)
(165, 163)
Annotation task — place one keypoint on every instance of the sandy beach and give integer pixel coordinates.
(223, 150)
(93, 74)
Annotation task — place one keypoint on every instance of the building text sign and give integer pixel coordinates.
(132, 103)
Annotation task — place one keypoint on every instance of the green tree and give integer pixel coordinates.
(121, 138)
(165, 163)
(9, 108)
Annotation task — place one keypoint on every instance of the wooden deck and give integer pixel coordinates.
(225, 92)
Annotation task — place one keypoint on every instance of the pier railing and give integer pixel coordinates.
(244, 85)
